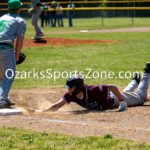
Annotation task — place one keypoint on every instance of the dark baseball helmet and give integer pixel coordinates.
(74, 81)
(147, 67)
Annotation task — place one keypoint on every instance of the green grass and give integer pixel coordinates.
(19, 139)
(95, 23)
(129, 53)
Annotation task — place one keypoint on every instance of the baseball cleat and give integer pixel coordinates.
(11, 103)
(6, 104)
(137, 77)
(40, 41)
(122, 106)
(147, 67)
(41, 34)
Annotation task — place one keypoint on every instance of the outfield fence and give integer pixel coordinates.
(96, 9)
(90, 2)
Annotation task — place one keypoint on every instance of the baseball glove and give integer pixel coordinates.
(31, 11)
(22, 58)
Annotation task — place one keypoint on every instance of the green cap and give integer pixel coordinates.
(14, 4)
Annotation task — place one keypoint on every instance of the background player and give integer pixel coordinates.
(35, 17)
(102, 97)
(11, 26)
(70, 13)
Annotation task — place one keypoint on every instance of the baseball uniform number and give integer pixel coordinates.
(2, 25)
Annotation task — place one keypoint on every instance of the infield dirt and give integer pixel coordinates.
(60, 42)
(131, 124)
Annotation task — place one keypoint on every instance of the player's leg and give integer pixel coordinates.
(61, 17)
(130, 88)
(143, 86)
(132, 99)
(55, 20)
(51, 19)
(58, 20)
(128, 99)
(138, 97)
(35, 18)
(70, 20)
(42, 21)
(133, 84)
(9, 68)
(1, 73)
(47, 19)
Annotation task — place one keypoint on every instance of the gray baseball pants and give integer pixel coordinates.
(134, 98)
(35, 18)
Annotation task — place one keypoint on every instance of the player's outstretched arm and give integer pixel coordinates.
(55, 106)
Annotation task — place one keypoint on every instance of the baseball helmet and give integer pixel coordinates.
(75, 81)
(147, 67)
(14, 4)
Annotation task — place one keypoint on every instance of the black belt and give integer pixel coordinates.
(7, 44)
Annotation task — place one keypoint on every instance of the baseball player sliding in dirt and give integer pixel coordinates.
(11, 26)
(102, 97)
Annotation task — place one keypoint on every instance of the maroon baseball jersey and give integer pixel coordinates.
(96, 97)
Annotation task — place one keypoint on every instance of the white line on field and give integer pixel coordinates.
(83, 124)
(55, 121)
